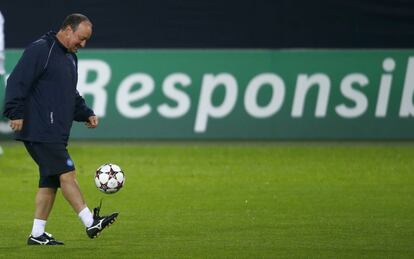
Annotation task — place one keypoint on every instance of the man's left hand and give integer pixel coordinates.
(92, 122)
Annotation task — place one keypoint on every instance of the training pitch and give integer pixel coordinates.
(224, 200)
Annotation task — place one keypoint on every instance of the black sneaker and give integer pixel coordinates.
(99, 223)
(44, 239)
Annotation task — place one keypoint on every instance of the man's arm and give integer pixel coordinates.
(20, 81)
(84, 113)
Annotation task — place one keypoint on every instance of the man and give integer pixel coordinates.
(3, 125)
(41, 103)
(2, 55)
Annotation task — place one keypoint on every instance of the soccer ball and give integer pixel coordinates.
(109, 178)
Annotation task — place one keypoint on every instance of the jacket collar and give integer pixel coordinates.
(58, 43)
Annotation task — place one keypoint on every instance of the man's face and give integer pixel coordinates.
(77, 39)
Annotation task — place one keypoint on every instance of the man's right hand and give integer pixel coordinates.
(16, 125)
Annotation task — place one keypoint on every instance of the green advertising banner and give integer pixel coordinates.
(246, 94)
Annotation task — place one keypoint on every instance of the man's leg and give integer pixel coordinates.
(71, 191)
(45, 198)
(93, 222)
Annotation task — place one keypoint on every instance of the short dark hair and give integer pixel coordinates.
(73, 20)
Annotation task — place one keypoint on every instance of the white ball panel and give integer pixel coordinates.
(111, 190)
(97, 182)
(105, 169)
(116, 168)
(103, 178)
(112, 183)
(120, 177)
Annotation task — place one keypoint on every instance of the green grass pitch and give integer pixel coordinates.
(225, 200)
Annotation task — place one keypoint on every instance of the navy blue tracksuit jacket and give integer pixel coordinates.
(41, 90)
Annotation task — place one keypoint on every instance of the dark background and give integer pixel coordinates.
(220, 23)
